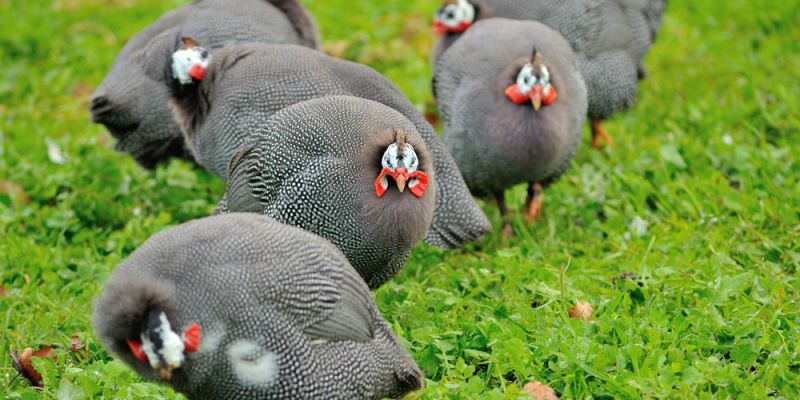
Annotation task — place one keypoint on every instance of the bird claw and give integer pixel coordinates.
(599, 135)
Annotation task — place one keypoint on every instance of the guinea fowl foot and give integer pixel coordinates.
(599, 135)
(507, 232)
(533, 204)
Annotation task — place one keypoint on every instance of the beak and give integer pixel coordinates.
(165, 372)
(401, 182)
(401, 177)
(536, 97)
(439, 28)
(197, 72)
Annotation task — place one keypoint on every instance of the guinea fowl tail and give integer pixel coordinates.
(301, 20)
(120, 312)
(457, 218)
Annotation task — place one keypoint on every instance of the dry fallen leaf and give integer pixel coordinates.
(582, 311)
(336, 49)
(75, 344)
(4, 294)
(45, 352)
(22, 363)
(15, 191)
(539, 391)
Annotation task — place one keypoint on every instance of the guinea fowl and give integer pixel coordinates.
(511, 115)
(610, 39)
(338, 166)
(243, 85)
(239, 306)
(134, 108)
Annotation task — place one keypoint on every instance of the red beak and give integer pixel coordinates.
(197, 72)
(401, 177)
(439, 28)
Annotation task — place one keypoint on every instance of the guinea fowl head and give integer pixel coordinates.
(454, 16)
(400, 162)
(160, 346)
(189, 63)
(533, 84)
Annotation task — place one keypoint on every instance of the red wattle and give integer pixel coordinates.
(197, 72)
(513, 93)
(191, 338)
(551, 98)
(379, 189)
(439, 28)
(422, 183)
(463, 26)
(136, 350)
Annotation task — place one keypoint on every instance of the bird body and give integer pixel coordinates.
(609, 37)
(497, 137)
(245, 85)
(319, 165)
(277, 312)
(134, 107)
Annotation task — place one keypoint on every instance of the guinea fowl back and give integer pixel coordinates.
(280, 312)
(246, 84)
(134, 107)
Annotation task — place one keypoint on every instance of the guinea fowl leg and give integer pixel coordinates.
(507, 232)
(599, 134)
(533, 204)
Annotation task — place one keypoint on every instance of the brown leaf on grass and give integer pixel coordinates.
(336, 49)
(15, 191)
(45, 352)
(23, 364)
(539, 391)
(82, 91)
(4, 293)
(582, 311)
(75, 344)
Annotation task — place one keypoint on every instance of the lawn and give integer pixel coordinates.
(698, 197)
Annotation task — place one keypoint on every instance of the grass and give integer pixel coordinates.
(699, 197)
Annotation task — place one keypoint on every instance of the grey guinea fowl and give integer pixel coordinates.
(610, 39)
(245, 84)
(511, 116)
(339, 167)
(134, 108)
(239, 306)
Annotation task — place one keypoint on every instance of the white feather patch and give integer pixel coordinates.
(183, 60)
(172, 351)
(252, 364)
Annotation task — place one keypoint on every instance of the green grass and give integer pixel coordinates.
(707, 161)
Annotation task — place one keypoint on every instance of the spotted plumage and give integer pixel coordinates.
(246, 84)
(316, 164)
(281, 314)
(513, 102)
(610, 39)
(134, 108)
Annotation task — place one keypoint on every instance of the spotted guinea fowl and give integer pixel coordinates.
(243, 85)
(240, 306)
(134, 108)
(511, 114)
(610, 39)
(339, 167)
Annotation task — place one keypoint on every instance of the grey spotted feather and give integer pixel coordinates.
(134, 107)
(281, 314)
(246, 84)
